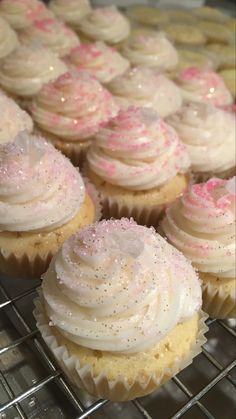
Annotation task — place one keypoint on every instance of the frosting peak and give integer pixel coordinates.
(39, 187)
(73, 107)
(203, 85)
(202, 225)
(137, 150)
(117, 286)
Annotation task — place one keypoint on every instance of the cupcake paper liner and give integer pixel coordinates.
(95, 197)
(100, 386)
(217, 303)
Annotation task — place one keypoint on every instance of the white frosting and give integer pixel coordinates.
(73, 107)
(102, 61)
(13, 120)
(26, 70)
(201, 224)
(70, 11)
(138, 151)
(143, 87)
(209, 134)
(52, 34)
(203, 85)
(22, 13)
(120, 287)
(150, 49)
(8, 38)
(105, 24)
(39, 188)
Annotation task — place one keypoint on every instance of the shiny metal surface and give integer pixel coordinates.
(33, 387)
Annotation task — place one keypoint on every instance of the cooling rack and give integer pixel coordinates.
(32, 386)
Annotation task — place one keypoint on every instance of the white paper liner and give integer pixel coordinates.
(217, 303)
(100, 386)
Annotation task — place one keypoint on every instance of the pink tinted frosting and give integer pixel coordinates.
(117, 286)
(22, 13)
(203, 85)
(102, 61)
(201, 224)
(137, 150)
(51, 33)
(73, 107)
(39, 188)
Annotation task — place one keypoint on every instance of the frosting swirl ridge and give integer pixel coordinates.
(22, 13)
(70, 11)
(73, 107)
(202, 127)
(120, 287)
(201, 224)
(39, 187)
(8, 38)
(137, 150)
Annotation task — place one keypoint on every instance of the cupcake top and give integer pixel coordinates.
(70, 11)
(102, 61)
(73, 107)
(105, 24)
(22, 13)
(138, 151)
(8, 38)
(203, 85)
(120, 287)
(141, 86)
(209, 134)
(13, 120)
(50, 33)
(202, 225)
(150, 49)
(24, 72)
(39, 188)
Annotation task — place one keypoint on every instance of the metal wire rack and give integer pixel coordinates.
(33, 386)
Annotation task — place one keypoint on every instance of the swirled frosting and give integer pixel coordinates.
(8, 38)
(73, 107)
(137, 150)
(209, 134)
(117, 286)
(39, 188)
(22, 13)
(201, 224)
(202, 85)
(13, 120)
(105, 24)
(144, 87)
(102, 61)
(70, 11)
(52, 34)
(25, 71)
(150, 49)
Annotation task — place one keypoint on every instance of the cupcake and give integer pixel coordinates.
(70, 110)
(184, 34)
(50, 33)
(209, 134)
(138, 165)
(224, 53)
(104, 24)
(194, 58)
(145, 87)
(120, 310)
(180, 15)
(8, 39)
(22, 13)
(101, 61)
(215, 32)
(202, 85)
(150, 49)
(210, 13)
(147, 15)
(24, 72)
(42, 202)
(70, 11)
(13, 120)
(201, 224)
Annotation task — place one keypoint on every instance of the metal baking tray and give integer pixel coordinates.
(32, 386)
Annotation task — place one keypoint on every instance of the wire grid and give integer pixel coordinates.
(55, 375)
